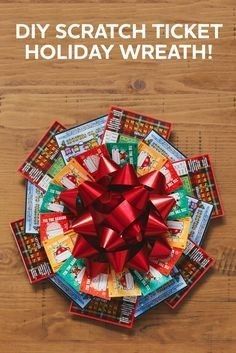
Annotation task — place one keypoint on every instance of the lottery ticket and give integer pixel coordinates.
(193, 264)
(53, 224)
(58, 250)
(203, 183)
(178, 232)
(117, 311)
(97, 286)
(90, 159)
(81, 138)
(176, 284)
(72, 272)
(165, 266)
(32, 253)
(200, 212)
(123, 153)
(51, 202)
(180, 210)
(182, 170)
(33, 201)
(150, 281)
(45, 160)
(162, 145)
(72, 175)
(123, 124)
(122, 284)
(199, 181)
(172, 180)
(149, 159)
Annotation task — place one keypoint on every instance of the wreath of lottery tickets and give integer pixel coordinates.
(115, 215)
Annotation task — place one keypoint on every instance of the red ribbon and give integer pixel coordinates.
(121, 219)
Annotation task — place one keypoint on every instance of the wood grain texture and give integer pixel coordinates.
(198, 96)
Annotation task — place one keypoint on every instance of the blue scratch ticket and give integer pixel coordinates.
(200, 213)
(81, 138)
(149, 301)
(159, 143)
(33, 201)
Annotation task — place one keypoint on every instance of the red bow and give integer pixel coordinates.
(120, 218)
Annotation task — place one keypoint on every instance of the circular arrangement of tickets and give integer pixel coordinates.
(115, 216)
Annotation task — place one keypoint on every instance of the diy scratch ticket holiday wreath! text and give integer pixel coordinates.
(115, 216)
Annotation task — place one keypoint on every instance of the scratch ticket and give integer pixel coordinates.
(179, 232)
(150, 281)
(162, 145)
(53, 224)
(117, 311)
(182, 170)
(81, 138)
(32, 253)
(165, 266)
(122, 284)
(123, 124)
(200, 212)
(90, 159)
(72, 175)
(173, 181)
(123, 153)
(44, 161)
(58, 250)
(180, 210)
(149, 159)
(97, 286)
(51, 202)
(172, 287)
(193, 265)
(204, 184)
(33, 201)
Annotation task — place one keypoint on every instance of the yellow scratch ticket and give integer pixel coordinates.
(122, 284)
(72, 175)
(179, 232)
(149, 159)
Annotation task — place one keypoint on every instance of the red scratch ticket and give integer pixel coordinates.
(90, 159)
(173, 181)
(53, 224)
(117, 311)
(193, 264)
(32, 253)
(45, 160)
(123, 124)
(165, 266)
(203, 182)
(97, 286)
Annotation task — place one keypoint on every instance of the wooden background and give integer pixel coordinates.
(198, 96)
